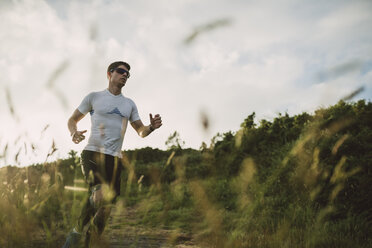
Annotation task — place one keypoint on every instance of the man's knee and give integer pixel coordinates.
(101, 195)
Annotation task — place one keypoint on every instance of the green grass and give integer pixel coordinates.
(301, 181)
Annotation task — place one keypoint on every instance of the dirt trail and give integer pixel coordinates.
(123, 231)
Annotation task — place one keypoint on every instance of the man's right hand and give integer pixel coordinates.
(78, 136)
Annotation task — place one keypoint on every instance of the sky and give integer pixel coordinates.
(191, 61)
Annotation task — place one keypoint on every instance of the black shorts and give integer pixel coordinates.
(99, 168)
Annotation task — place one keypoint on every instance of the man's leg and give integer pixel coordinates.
(98, 225)
(86, 215)
(102, 199)
(88, 211)
(104, 196)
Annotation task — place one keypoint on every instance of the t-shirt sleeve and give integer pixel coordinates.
(86, 105)
(134, 116)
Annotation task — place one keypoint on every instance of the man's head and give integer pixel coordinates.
(116, 64)
(118, 73)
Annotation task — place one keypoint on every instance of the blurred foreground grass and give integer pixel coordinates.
(296, 181)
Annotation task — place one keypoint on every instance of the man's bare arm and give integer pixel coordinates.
(77, 136)
(142, 130)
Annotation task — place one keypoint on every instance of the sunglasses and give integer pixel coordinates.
(121, 71)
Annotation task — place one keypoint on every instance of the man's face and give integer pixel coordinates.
(118, 76)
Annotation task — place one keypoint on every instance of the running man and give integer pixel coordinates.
(110, 112)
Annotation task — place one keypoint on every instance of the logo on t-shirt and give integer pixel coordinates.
(115, 111)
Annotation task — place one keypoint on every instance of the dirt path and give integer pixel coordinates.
(123, 231)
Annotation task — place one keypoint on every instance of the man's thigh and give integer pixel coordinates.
(101, 169)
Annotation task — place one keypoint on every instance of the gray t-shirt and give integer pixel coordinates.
(109, 116)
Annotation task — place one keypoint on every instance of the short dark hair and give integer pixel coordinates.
(116, 64)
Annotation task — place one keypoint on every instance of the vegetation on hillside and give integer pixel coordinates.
(295, 181)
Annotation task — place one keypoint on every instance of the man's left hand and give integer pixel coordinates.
(155, 121)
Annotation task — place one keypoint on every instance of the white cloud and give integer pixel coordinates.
(266, 61)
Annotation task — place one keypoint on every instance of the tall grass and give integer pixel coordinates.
(294, 197)
(305, 185)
